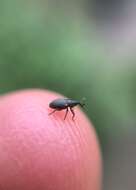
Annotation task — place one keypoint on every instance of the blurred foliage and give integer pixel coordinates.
(42, 48)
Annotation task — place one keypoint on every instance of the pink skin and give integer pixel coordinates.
(43, 152)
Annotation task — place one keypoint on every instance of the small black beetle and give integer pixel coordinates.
(64, 103)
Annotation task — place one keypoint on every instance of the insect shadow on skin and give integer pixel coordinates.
(65, 104)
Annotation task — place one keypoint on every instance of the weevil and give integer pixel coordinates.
(64, 103)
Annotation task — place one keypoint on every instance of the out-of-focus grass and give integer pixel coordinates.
(47, 50)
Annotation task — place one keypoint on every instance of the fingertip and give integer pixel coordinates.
(45, 151)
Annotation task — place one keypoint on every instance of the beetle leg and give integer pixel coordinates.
(52, 112)
(66, 113)
(73, 113)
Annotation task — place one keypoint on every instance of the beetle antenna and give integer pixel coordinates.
(82, 104)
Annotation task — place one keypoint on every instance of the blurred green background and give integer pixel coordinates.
(55, 46)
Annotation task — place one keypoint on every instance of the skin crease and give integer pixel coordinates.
(41, 151)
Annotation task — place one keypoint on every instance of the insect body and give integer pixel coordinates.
(64, 103)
